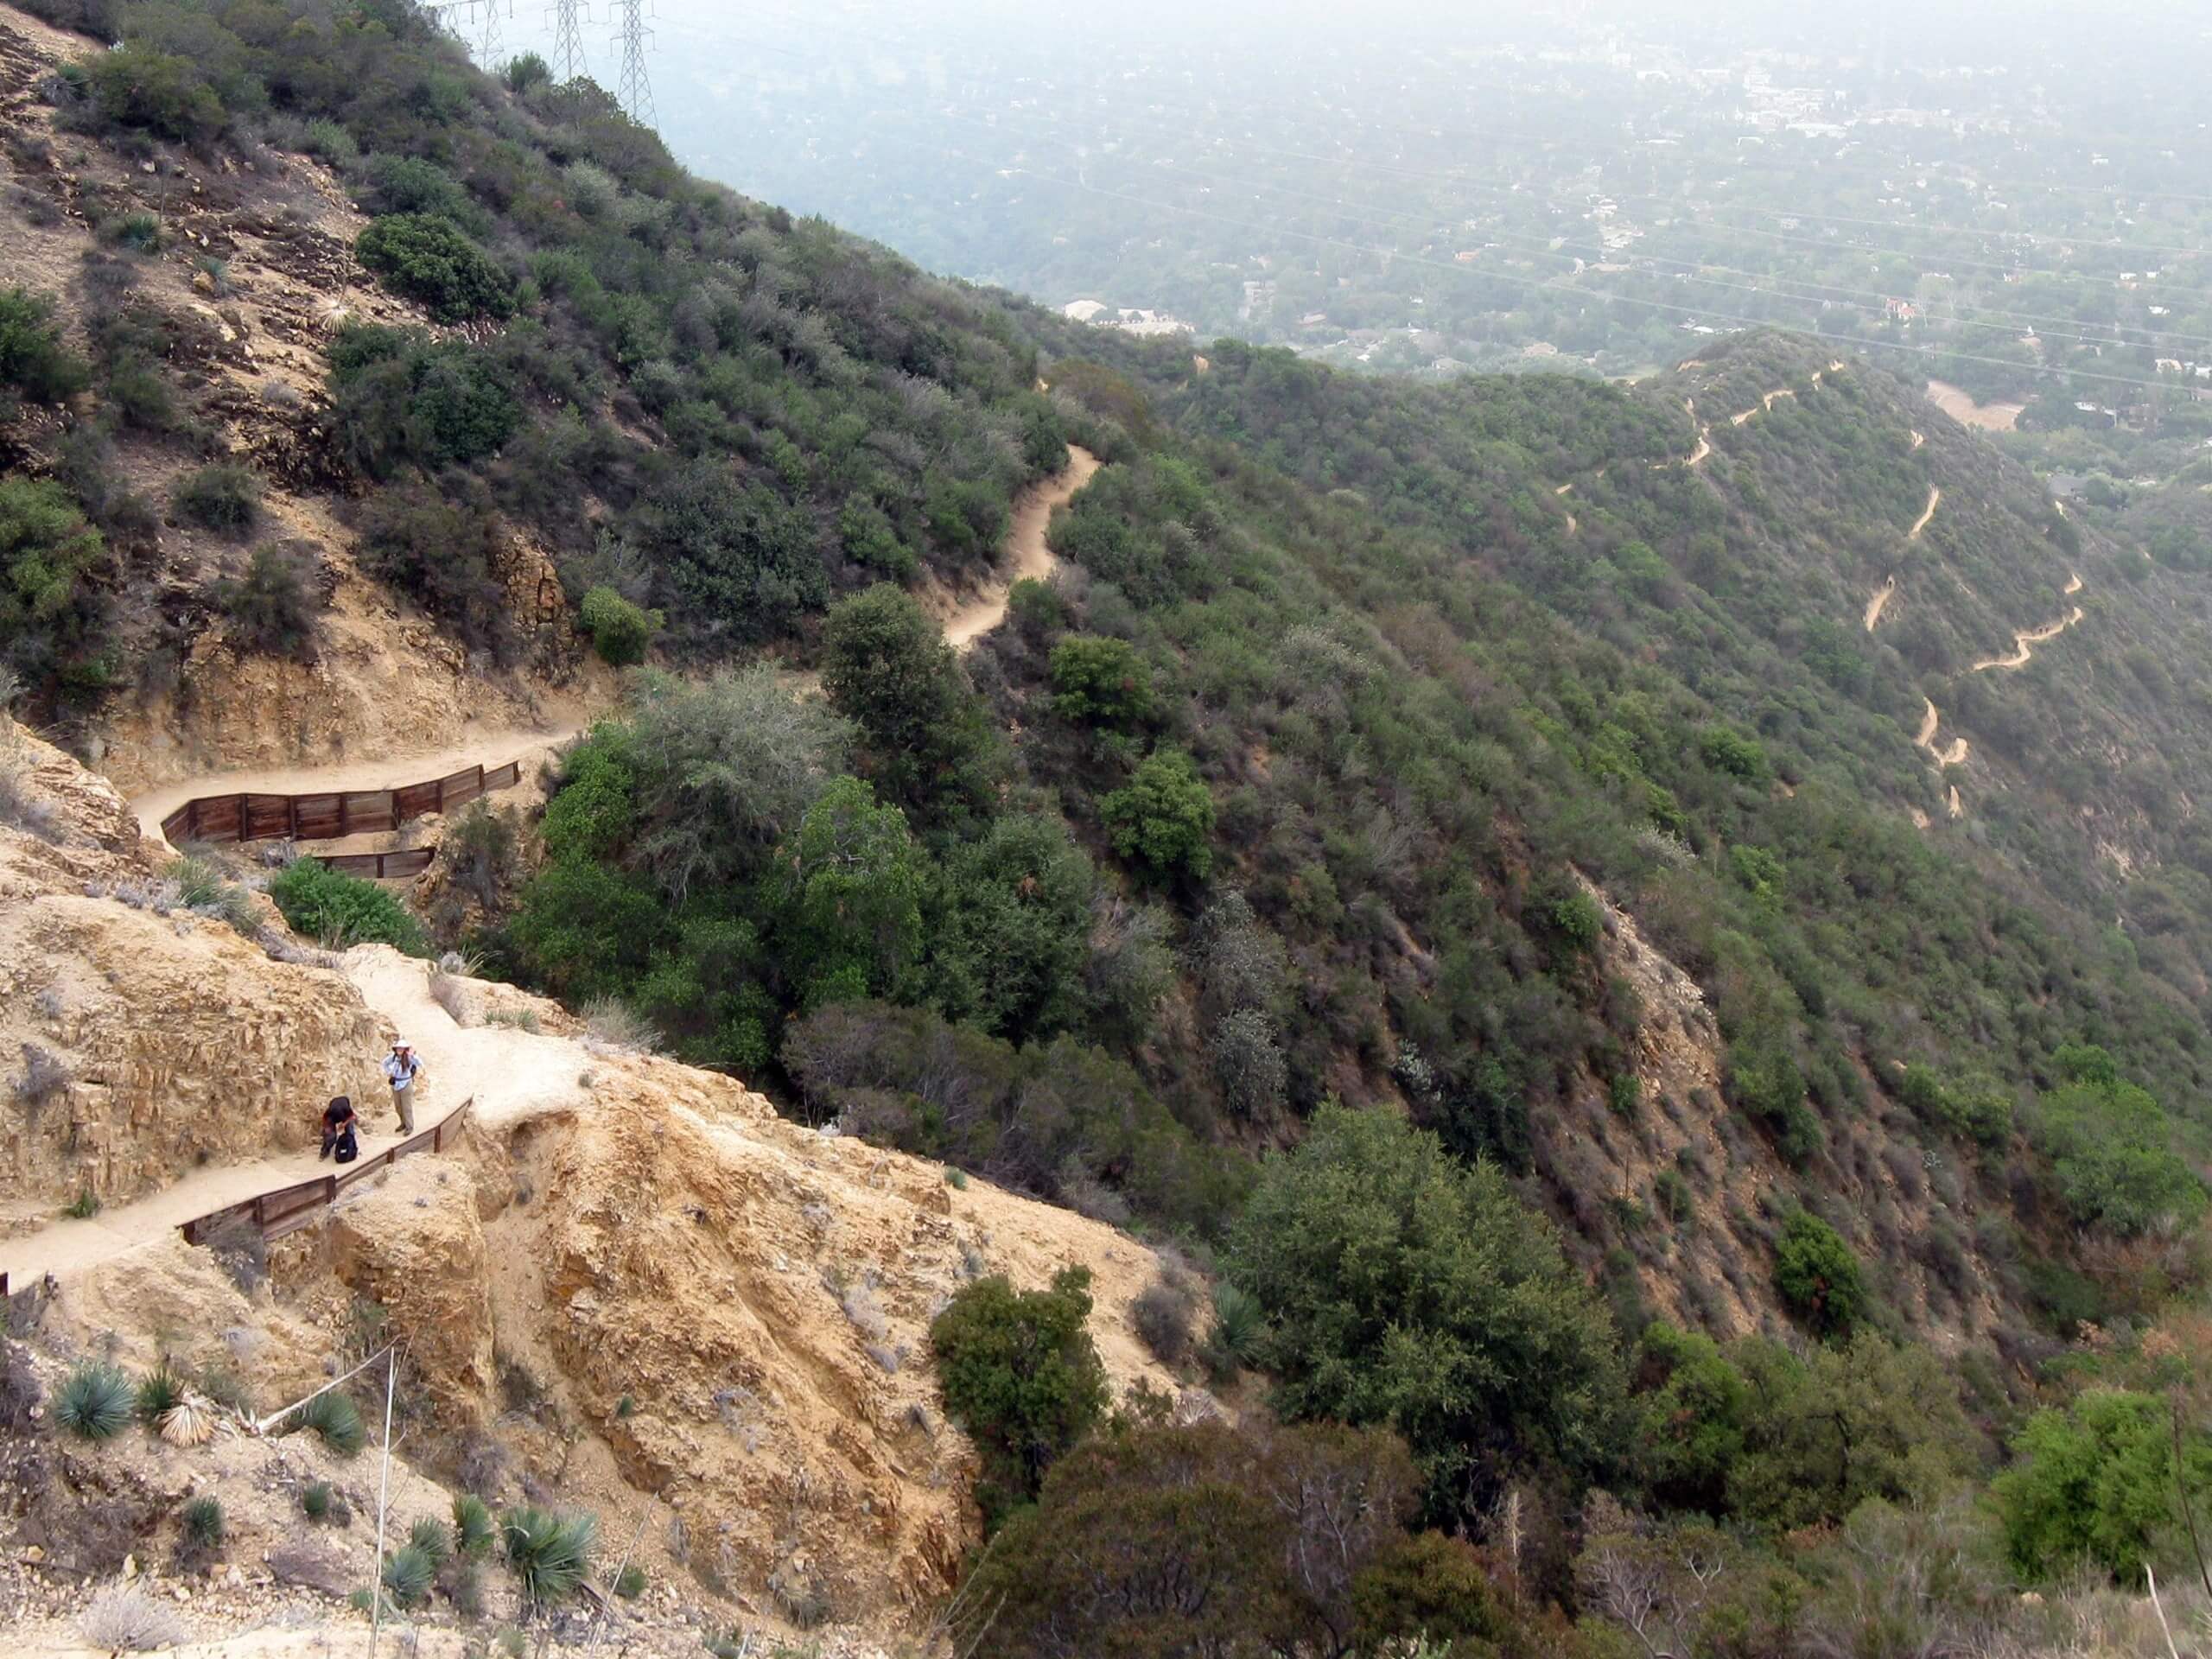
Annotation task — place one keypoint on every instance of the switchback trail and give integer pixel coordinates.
(490, 749)
(512, 1074)
(1935, 495)
(1026, 556)
(1882, 596)
(1952, 755)
(2025, 641)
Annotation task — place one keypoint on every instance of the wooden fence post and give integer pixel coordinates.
(241, 823)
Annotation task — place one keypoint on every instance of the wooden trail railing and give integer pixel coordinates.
(288, 1209)
(331, 816)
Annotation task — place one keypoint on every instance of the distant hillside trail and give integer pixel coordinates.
(1026, 556)
(491, 750)
(1935, 495)
(1953, 755)
(2025, 641)
(1919, 438)
(1882, 597)
(513, 1075)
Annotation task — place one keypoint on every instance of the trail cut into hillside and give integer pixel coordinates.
(1952, 754)
(492, 750)
(1935, 495)
(2025, 641)
(1882, 597)
(1919, 438)
(1026, 556)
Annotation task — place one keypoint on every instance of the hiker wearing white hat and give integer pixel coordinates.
(400, 1070)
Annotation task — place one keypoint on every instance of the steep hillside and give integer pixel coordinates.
(631, 1284)
(1685, 888)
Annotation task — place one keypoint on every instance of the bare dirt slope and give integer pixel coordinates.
(713, 1318)
(280, 232)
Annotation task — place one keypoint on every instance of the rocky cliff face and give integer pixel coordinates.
(142, 1040)
(629, 1286)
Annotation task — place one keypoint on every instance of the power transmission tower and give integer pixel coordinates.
(568, 18)
(633, 91)
(490, 50)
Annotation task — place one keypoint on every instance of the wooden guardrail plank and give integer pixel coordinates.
(287, 1209)
(303, 816)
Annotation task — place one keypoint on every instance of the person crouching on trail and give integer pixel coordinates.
(400, 1071)
(339, 1122)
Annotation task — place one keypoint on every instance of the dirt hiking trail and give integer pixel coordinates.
(1953, 754)
(1935, 495)
(512, 1074)
(490, 749)
(1026, 556)
(2025, 641)
(1882, 597)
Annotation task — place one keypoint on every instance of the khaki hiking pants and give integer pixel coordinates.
(402, 1101)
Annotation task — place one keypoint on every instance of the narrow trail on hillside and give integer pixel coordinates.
(2025, 641)
(1026, 556)
(1954, 753)
(1935, 495)
(1882, 597)
(512, 1075)
(491, 750)
(1919, 438)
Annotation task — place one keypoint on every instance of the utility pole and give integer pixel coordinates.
(568, 17)
(634, 92)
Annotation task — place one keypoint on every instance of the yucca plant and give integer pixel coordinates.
(202, 1521)
(409, 1573)
(94, 1402)
(159, 1392)
(314, 1500)
(549, 1552)
(430, 1535)
(335, 1417)
(630, 1583)
(190, 1422)
(473, 1528)
(1237, 1322)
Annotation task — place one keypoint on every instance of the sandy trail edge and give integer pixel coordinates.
(1935, 495)
(512, 1074)
(1882, 597)
(490, 749)
(1026, 556)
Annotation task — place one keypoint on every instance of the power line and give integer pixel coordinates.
(491, 51)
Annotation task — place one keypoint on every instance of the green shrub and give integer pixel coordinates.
(474, 1530)
(620, 632)
(339, 910)
(1818, 1276)
(441, 553)
(53, 611)
(135, 86)
(408, 1574)
(630, 1584)
(94, 1402)
(1238, 1323)
(1102, 683)
(272, 610)
(1404, 1287)
(549, 1552)
(315, 1500)
(335, 1418)
(84, 1206)
(1021, 1375)
(430, 258)
(2095, 1482)
(223, 497)
(1163, 817)
(327, 141)
(1725, 749)
(399, 397)
(33, 360)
